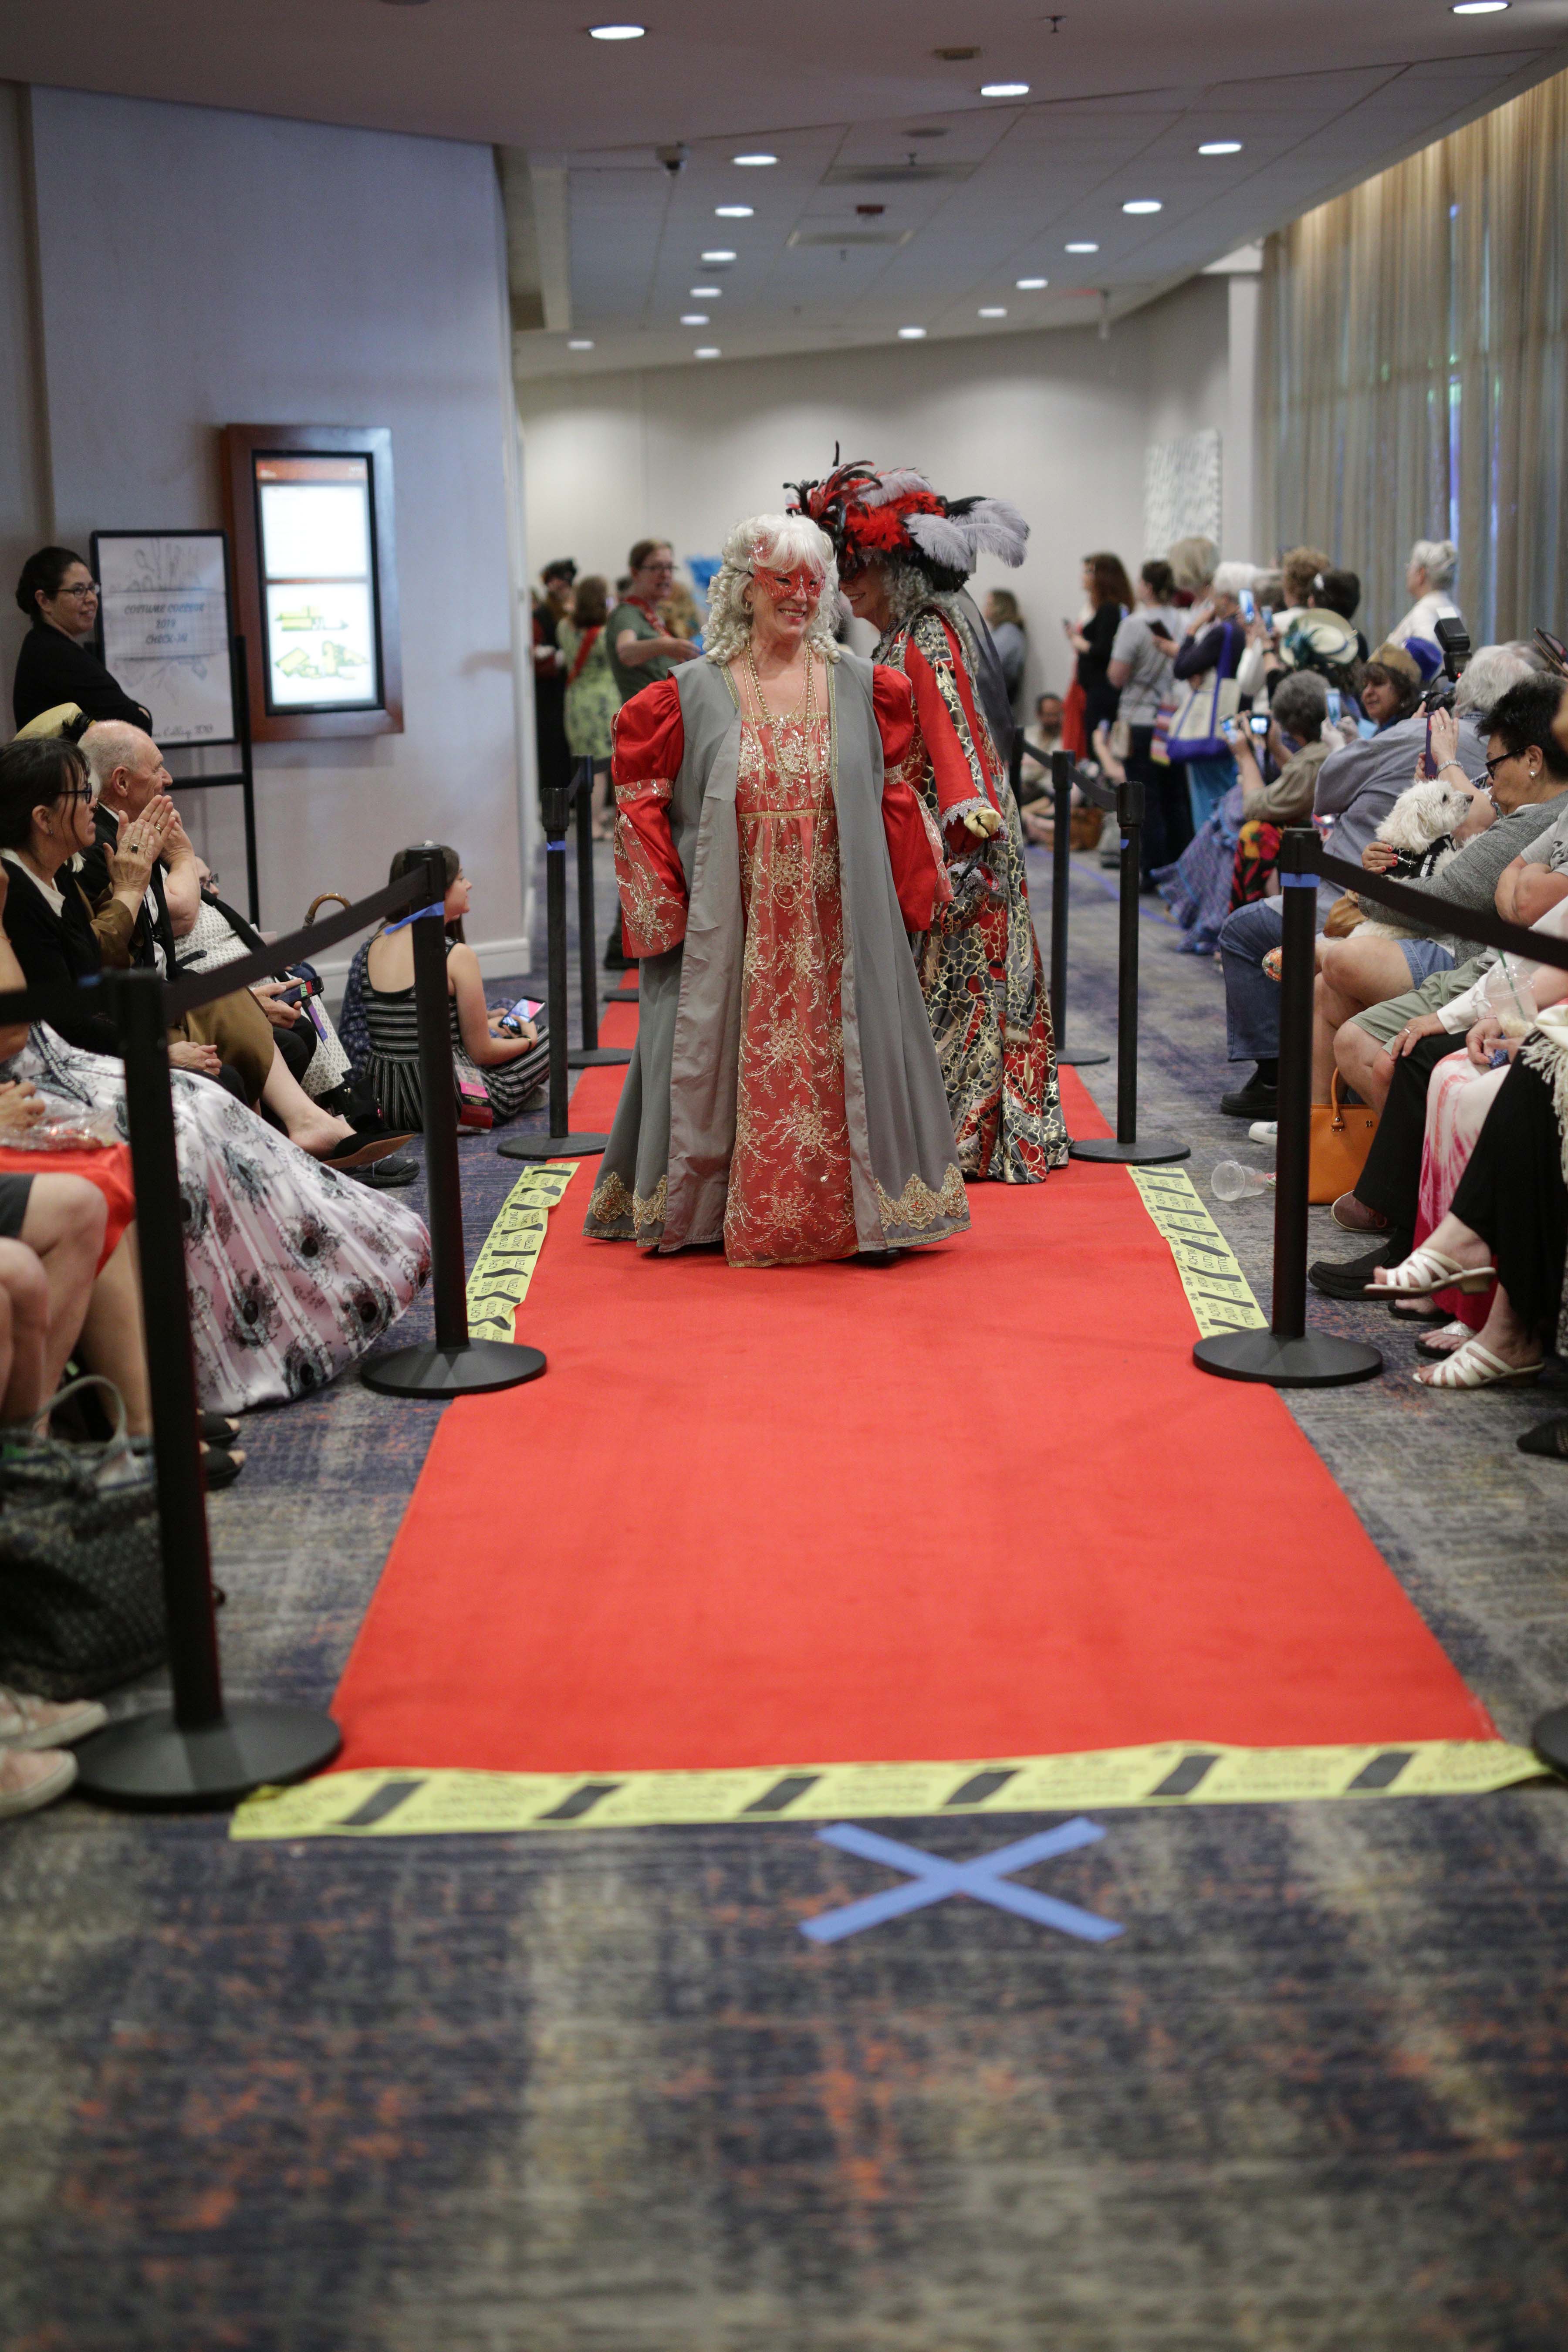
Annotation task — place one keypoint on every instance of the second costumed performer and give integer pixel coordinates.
(784, 1095)
(904, 554)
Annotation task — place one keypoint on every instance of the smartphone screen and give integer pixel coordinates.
(1336, 704)
(1258, 722)
(524, 1009)
(1248, 604)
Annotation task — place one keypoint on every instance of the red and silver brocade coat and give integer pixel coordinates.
(784, 1093)
(980, 972)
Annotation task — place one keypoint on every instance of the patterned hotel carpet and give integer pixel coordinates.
(595, 2093)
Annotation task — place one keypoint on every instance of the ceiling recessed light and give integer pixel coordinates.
(617, 32)
(707, 352)
(732, 212)
(1144, 205)
(753, 163)
(579, 344)
(1478, 7)
(1003, 90)
(706, 293)
(1220, 147)
(1031, 285)
(721, 254)
(694, 317)
(992, 311)
(1082, 248)
(912, 335)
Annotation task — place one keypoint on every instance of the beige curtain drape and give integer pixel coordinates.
(1414, 369)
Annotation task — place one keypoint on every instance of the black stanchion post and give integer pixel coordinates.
(1061, 885)
(455, 1365)
(555, 802)
(590, 1055)
(197, 1753)
(1287, 1356)
(247, 775)
(1124, 1145)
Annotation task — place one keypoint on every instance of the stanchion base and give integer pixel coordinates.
(551, 1146)
(148, 1764)
(597, 1057)
(1149, 1153)
(1070, 1058)
(1550, 1739)
(1314, 1361)
(476, 1369)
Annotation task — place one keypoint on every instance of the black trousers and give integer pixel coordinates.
(1167, 806)
(1391, 1181)
(1513, 1195)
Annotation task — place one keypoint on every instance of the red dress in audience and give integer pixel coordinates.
(108, 1168)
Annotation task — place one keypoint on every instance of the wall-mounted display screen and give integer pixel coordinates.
(311, 512)
(318, 581)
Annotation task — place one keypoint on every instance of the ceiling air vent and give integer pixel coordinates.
(893, 175)
(851, 235)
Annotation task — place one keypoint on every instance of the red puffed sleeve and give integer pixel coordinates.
(964, 764)
(914, 845)
(649, 745)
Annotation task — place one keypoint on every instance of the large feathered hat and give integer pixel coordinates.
(896, 512)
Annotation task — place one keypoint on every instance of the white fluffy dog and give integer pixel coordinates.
(1423, 825)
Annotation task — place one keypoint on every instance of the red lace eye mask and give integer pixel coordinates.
(801, 582)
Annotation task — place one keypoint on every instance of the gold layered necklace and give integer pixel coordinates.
(793, 760)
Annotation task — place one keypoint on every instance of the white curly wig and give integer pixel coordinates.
(779, 542)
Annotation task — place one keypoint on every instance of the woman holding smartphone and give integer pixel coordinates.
(499, 1063)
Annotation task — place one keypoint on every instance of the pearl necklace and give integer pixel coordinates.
(795, 762)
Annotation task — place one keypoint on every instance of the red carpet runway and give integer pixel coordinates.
(978, 1504)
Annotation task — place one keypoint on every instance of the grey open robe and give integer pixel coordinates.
(665, 1172)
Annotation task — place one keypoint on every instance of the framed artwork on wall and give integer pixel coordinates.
(311, 513)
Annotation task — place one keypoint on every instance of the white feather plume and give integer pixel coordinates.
(943, 540)
(896, 484)
(998, 527)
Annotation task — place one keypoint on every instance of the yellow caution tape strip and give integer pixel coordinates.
(1217, 1291)
(415, 1804)
(499, 1280)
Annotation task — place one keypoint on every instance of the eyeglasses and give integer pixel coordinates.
(1501, 761)
(82, 588)
(78, 793)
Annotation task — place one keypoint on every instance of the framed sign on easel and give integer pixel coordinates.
(165, 631)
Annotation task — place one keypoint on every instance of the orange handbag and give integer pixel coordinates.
(1341, 1137)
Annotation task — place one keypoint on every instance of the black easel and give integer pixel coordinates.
(590, 1055)
(1061, 885)
(555, 802)
(1127, 801)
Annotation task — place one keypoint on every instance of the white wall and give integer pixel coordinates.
(1058, 422)
(199, 268)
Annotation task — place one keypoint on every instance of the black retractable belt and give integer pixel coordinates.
(1127, 801)
(1061, 885)
(590, 1055)
(555, 802)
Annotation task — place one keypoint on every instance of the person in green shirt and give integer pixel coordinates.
(641, 647)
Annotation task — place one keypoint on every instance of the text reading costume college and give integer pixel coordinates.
(784, 1095)
(904, 554)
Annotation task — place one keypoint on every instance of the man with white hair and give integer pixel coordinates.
(1356, 787)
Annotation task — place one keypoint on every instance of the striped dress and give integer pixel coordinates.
(392, 1062)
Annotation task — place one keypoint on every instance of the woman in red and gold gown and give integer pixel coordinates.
(768, 839)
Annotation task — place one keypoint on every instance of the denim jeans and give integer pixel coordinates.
(1208, 780)
(1251, 998)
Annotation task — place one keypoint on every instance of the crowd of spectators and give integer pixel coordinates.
(1442, 766)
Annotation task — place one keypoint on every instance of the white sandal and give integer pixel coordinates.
(1427, 1271)
(1475, 1366)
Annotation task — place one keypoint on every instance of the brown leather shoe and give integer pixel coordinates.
(1356, 1217)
